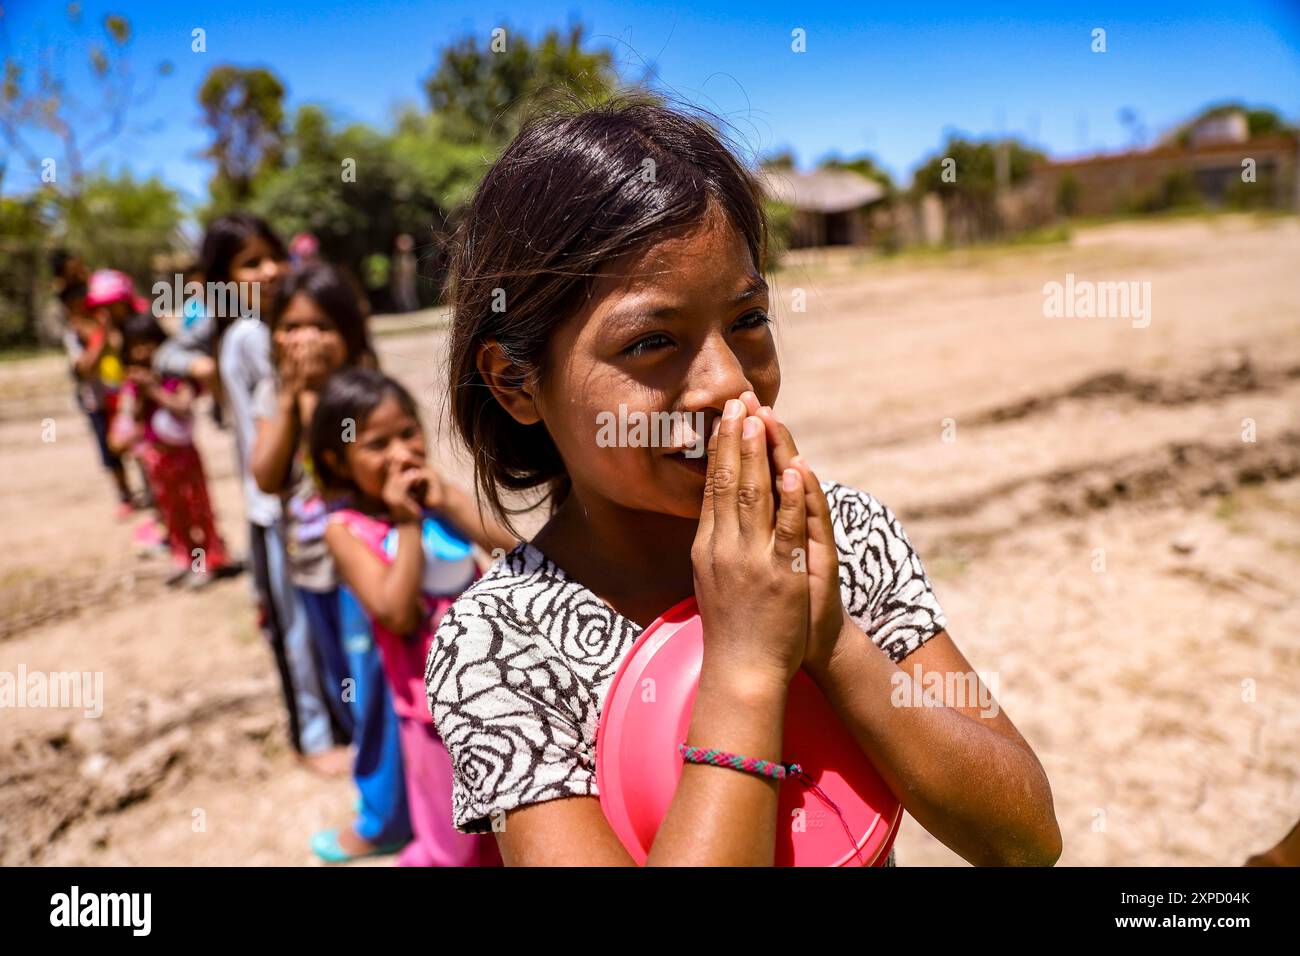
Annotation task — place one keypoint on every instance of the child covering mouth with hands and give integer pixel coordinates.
(651, 294)
(402, 546)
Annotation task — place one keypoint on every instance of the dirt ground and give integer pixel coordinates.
(1101, 536)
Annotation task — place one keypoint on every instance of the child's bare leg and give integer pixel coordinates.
(331, 762)
(118, 471)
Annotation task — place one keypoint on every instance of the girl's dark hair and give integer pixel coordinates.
(139, 329)
(351, 394)
(337, 296)
(73, 291)
(226, 235)
(222, 240)
(59, 259)
(573, 191)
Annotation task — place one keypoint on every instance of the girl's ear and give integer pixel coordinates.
(508, 383)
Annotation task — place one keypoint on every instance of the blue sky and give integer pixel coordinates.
(888, 79)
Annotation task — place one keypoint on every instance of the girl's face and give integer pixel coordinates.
(389, 439)
(256, 261)
(140, 354)
(115, 313)
(304, 328)
(681, 327)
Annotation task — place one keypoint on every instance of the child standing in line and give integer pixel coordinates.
(317, 329)
(231, 354)
(158, 418)
(402, 546)
(93, 341)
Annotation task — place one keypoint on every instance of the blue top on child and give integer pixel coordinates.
(192, 313)
(449, 565)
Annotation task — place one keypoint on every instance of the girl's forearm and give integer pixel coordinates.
(179, 402)
(273, 453)
(307, 402)
(719, 816)
(980, 793)
(400, 596)
(85, 364)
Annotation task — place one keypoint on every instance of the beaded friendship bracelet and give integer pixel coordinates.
(721, 758)
(772, 769)
(768, 768)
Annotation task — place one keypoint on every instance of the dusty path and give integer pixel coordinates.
(1099, 534)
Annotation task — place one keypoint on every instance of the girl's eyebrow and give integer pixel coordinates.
(756, 287)
(629, 318)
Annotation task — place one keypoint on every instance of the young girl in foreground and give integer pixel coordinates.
(402, 547)
(648, 292)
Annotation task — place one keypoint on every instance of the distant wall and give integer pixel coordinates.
(1135, 182)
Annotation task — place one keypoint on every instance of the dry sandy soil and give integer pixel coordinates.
(1101, 536)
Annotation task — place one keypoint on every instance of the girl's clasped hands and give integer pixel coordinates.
(765, 561)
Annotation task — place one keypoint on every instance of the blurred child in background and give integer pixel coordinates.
(157, 423)
(233, 353)
(402, 546)
(93, 341)
(318, 329)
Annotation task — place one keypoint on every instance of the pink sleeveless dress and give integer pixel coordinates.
(449, 569)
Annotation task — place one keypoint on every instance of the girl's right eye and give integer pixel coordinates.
(648, 344)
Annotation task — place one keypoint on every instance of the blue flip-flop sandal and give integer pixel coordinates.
(325, 844)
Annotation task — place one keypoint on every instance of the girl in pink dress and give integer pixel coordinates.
(401, 544)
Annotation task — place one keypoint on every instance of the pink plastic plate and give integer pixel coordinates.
(648, 713)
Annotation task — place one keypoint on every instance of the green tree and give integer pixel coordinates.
(865, 166)
(123, 223)
(778, 159)
(965, 176)
(243, 108)
(112, 221)
(356, 189)
(1260, 121)
(38, 111)
(23, 226)
(484, 92)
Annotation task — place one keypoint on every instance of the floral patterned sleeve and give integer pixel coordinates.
(514, 678)
(882, 581)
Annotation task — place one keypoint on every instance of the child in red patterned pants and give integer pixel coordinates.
(157, 422)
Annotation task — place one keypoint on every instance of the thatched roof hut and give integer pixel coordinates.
(830, 205)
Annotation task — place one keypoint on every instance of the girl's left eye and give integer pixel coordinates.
(647, 344)
(754, 320)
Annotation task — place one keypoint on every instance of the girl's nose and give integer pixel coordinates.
(715, 375)
(399, 454)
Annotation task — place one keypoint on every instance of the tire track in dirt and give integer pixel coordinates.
(35, 598)
(90, 770)
(1173, 474)
(1239, 375)
(1216, 382)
